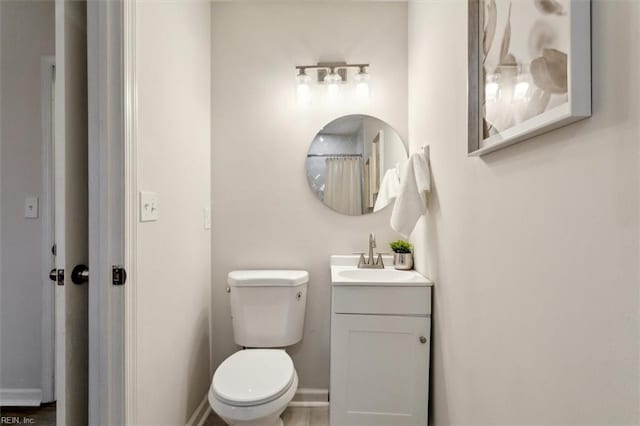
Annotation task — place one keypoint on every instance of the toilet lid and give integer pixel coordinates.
(253, 377)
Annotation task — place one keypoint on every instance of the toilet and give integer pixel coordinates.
(253, 386)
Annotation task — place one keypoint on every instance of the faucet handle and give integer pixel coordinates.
(379, 260)
(362, 260)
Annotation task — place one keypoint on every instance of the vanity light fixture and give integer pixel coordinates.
(332, 75)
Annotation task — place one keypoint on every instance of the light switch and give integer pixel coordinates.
(207, 218)
(149, 207)
(31, 207)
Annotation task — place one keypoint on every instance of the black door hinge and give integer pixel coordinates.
(119, 275)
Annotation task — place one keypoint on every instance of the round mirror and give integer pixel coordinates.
(353, 164)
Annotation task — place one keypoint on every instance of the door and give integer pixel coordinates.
(107, 190)
(379, 370)
(71, 203)
(48, 72)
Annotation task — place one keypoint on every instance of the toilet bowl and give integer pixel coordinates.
(252, 387)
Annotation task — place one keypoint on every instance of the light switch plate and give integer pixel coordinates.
(31, 207)
(207, 218)
(149, 207)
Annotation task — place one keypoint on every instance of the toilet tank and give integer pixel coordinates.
(267, 307)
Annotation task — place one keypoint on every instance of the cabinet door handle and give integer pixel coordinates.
(423, 340)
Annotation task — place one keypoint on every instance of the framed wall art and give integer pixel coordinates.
(529, 69)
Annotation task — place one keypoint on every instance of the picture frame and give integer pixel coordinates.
(529, 69)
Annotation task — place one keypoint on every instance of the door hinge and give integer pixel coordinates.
(119, 275)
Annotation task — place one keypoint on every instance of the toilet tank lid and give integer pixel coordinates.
(267, 278)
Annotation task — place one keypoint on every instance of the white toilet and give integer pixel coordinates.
(253, 386)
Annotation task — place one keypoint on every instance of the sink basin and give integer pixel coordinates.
(345, 271)
(376, 275)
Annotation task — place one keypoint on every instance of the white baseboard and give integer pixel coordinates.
(310, 397)
(304, 397)
(308, 404)
(20, 397)
(201, 414)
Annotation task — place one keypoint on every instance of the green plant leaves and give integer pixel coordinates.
(401, 246)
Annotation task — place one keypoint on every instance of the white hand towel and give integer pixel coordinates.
(389, 189)
(411, 203)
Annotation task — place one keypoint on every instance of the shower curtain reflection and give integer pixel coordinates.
(343, 185)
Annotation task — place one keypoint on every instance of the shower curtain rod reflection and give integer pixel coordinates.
(334, 155)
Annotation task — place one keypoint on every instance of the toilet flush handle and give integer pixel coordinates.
(228, 289)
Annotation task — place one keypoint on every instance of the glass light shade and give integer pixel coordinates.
(362, 85)
(333, 90)
(362, 76)
(333, 80)
(303, 88)
(492, 90)
(521, 91)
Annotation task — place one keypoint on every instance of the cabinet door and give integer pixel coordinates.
(379, 370)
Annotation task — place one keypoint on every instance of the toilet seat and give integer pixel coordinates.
(260, 415)
(253, 377)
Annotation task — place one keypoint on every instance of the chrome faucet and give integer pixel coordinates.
(371, 263)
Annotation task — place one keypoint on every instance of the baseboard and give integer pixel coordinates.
(304, 397)
(310, 397)
(20, 397)
(201, 414)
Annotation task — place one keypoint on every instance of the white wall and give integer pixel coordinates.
(173, 287)
(27, 35)
(264, 213)
(534, 249)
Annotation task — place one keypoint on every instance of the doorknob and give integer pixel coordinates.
(53, 275)
(80, 274)
(423, 340)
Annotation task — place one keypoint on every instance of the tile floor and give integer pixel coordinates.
(293, 416)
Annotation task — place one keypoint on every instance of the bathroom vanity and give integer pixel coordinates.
(380, 343)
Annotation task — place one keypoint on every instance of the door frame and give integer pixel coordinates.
(131, 208)
(112, 211)
(47, 76)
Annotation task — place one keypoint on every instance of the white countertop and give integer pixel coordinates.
(345, 272)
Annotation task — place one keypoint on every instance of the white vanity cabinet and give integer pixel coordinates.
(380, 342)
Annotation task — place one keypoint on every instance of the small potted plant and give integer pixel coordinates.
(402, 255)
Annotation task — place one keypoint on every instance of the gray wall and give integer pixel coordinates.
(533, 249)
(264, 214)
(27, 34)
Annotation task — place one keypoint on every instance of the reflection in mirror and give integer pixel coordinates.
(353, 164)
